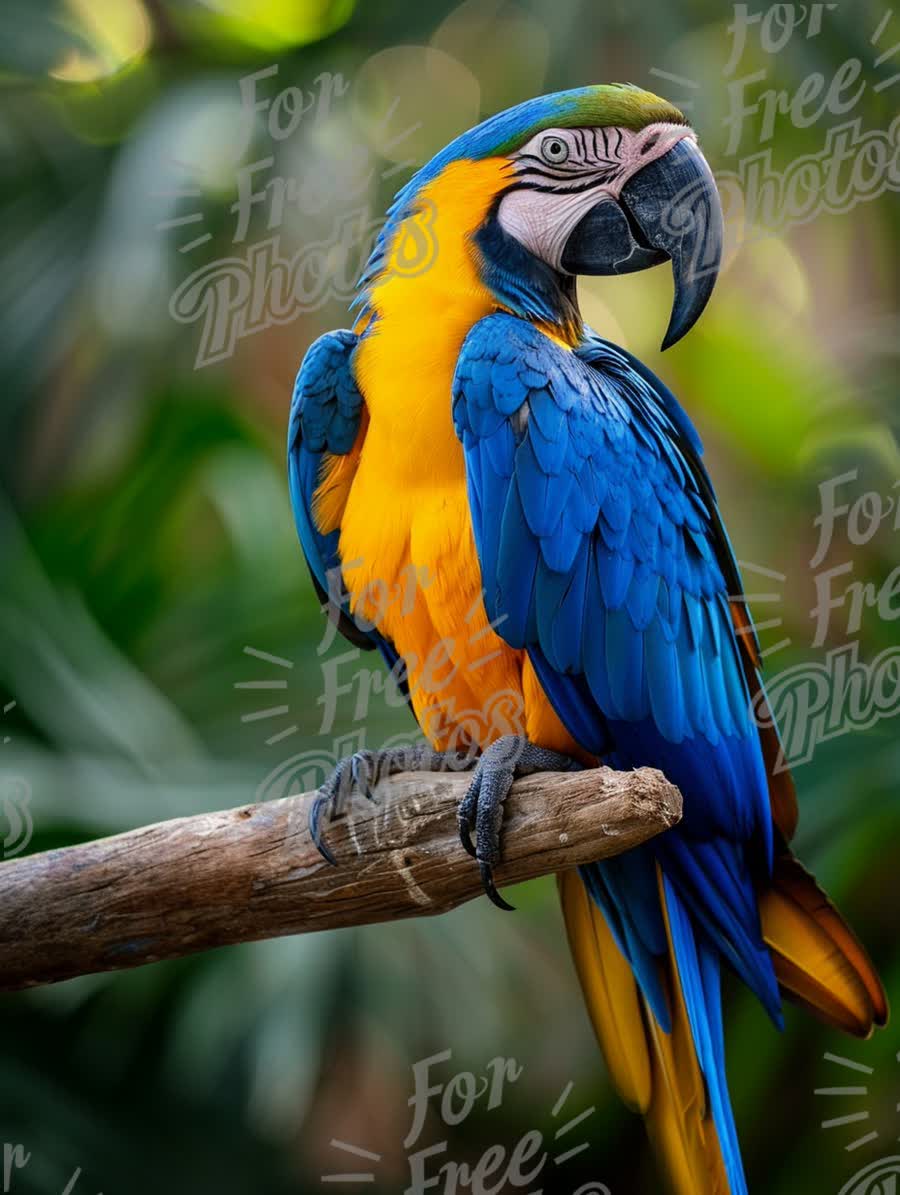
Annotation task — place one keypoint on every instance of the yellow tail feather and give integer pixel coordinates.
(610, 992)
(655, 1073)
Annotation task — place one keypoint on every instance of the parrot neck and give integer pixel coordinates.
(446, 241)
(427, 285)
(525, 285)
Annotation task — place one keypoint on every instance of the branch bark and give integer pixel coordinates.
(195, 883)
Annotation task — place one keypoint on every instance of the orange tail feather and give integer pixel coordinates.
(819, 961)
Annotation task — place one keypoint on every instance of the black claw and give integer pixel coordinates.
(464, 819)
(487, 880)
(315, 818)
(467, 814)
(465, 837)
(362, 777)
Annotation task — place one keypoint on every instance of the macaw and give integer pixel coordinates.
(575, 599)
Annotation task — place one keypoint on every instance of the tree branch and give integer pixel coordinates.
(194, 883)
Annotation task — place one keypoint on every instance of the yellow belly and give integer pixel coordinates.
(411, 567)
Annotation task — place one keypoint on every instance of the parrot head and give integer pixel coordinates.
(606, 179)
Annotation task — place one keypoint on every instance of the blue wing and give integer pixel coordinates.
(326, 415)
(603, 554)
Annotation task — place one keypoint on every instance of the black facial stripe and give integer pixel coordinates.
(573, 188)
(551, 169)
(568, 170)
(572, 164)
(551, 175)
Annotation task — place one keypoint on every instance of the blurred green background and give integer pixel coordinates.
(147, 541)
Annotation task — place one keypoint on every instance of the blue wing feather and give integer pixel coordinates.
(602, 550)
(325, 414)
(326, 410)
(604, 477)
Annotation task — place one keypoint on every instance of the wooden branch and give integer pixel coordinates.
(194, 883)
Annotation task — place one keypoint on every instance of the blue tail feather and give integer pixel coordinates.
(697, 964)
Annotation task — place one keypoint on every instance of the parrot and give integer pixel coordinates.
(515, 513)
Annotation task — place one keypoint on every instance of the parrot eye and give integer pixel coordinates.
(554, 150)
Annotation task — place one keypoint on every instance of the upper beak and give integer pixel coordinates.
(669, 209)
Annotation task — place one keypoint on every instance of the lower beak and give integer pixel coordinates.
(668, 210)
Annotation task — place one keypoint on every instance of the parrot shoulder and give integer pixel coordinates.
(325, 433)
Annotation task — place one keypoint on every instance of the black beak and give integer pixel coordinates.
(668, 210)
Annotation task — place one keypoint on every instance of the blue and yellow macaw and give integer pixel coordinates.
(576, 598)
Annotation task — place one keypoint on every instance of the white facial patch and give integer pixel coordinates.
(562, 173)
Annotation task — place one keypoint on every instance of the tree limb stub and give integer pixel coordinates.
(194, 883)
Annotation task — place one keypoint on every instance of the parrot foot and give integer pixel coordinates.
(363, 770)
(482, 806)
